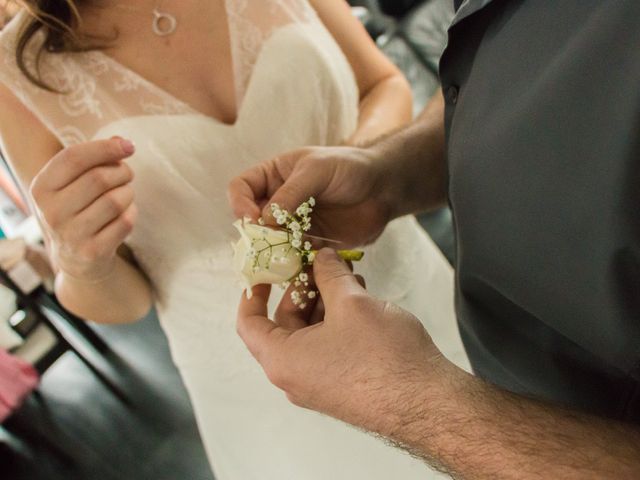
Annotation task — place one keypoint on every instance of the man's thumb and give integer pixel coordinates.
(333, 277)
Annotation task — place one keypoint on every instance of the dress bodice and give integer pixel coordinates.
(302, 92)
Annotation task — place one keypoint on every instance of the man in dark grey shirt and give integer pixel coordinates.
(539, 157)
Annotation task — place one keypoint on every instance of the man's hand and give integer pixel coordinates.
(373, 365)
(350, 364)
(346, 182)
(358, 190)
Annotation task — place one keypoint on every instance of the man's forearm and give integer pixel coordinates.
(413, 163)
(477, 431)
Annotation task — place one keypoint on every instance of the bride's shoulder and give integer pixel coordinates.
(18, 49)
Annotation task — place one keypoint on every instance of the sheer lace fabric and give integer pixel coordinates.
(94, 89)
(97, 89)
(251, 23)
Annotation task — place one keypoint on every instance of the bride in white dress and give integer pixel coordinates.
(293, 87)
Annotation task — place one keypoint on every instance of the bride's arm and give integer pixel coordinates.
(120, 295)
(385, 95)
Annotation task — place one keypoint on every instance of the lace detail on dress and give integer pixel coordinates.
(251, 23)
(96, 90)
(91, 89)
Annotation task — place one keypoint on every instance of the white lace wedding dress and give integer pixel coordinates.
(296, 89)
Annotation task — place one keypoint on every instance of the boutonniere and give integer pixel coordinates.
(280, 255)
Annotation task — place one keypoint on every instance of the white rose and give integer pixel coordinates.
(264, 255)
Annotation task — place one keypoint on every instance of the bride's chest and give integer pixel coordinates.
(193, 66)
(301, 93)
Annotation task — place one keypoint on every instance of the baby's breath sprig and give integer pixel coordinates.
(296, 224)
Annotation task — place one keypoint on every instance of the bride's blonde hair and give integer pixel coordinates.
(59, 20)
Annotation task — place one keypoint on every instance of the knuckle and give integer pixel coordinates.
(112, 203)
(115, 202)
(295, 400)
(73, 155)
(278, 376)
(357, 301)
(128, 172)
(127, 222)
(37, 188)
(99, 178)
(334, 274)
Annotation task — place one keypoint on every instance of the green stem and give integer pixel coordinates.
(348, 255)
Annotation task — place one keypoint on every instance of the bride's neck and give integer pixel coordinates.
(130, 18)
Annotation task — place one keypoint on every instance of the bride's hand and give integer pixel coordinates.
(345, 181)
(84, 201)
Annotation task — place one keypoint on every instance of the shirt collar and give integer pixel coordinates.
(467, 8)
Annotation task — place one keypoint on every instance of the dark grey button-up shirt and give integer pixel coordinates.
(543, 145)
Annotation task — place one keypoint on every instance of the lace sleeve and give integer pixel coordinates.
(251, 23)
(53, 109)
(10, 75)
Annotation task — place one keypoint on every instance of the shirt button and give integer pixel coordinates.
(451, 94)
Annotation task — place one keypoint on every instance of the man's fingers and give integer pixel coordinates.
(253, 325)
(298, 181)
(284, 180)
(295, 316)
(317, 315)
(333, 277)
(244, 191)
(258, 303)
(295, 190)
(73, 161)
(250, 191)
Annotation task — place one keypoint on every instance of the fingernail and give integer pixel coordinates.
(128, 146)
